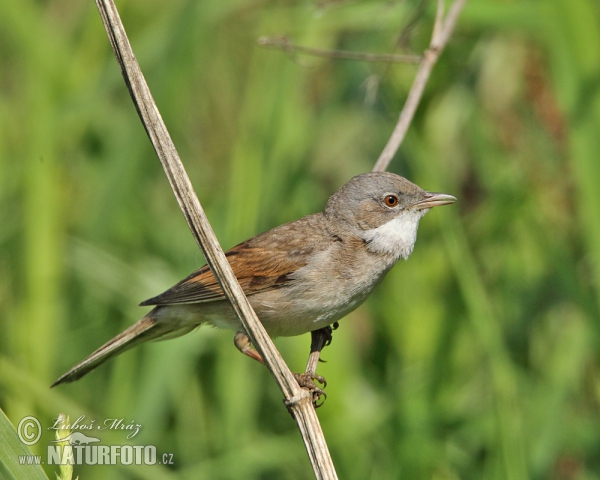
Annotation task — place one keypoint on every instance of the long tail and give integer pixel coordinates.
(148, 328)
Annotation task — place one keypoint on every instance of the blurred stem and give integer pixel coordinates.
(42, 212)
(487, 328)
(578, 24)
(583, 149)
(66, 469)
(42, 268)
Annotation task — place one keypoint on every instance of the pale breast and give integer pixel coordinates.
(331, 285)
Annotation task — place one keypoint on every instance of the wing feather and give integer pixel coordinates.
(264, 262)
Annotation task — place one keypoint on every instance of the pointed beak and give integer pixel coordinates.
(434, 200)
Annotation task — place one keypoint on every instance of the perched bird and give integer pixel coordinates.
(300, 276)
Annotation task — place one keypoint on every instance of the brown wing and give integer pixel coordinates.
(264, 262)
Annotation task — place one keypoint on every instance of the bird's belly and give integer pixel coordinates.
(294, 313)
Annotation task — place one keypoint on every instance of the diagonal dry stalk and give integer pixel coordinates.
(442, 29)
(298, 400)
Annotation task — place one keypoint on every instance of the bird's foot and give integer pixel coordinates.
(307, 380)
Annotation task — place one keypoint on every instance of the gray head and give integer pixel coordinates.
(383, 209)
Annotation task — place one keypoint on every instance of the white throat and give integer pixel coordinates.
(396, 237)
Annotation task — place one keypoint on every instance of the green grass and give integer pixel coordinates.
(477, 358)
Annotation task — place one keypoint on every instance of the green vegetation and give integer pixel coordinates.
(477, 358)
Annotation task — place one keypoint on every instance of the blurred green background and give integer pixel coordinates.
(477, 358)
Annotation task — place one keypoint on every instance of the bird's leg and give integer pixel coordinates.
(319, 339)
(242, 343)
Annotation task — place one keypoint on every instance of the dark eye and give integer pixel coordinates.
(391, 200)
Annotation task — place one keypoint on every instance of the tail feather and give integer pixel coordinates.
(148, 328)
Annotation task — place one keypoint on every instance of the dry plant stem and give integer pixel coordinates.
(298, 400)
(442, 30)
(283, 43)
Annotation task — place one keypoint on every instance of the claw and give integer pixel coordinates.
(317, 397)
(320, 379)
(307, 380)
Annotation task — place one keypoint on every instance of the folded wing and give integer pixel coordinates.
(264, 262)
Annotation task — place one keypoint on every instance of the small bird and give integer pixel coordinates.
(299, 277)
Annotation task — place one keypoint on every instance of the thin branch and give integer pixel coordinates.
(298, 400)
(284, 44)
(442, 30)
(438, 22)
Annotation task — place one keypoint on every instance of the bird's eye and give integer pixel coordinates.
(391, 200)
